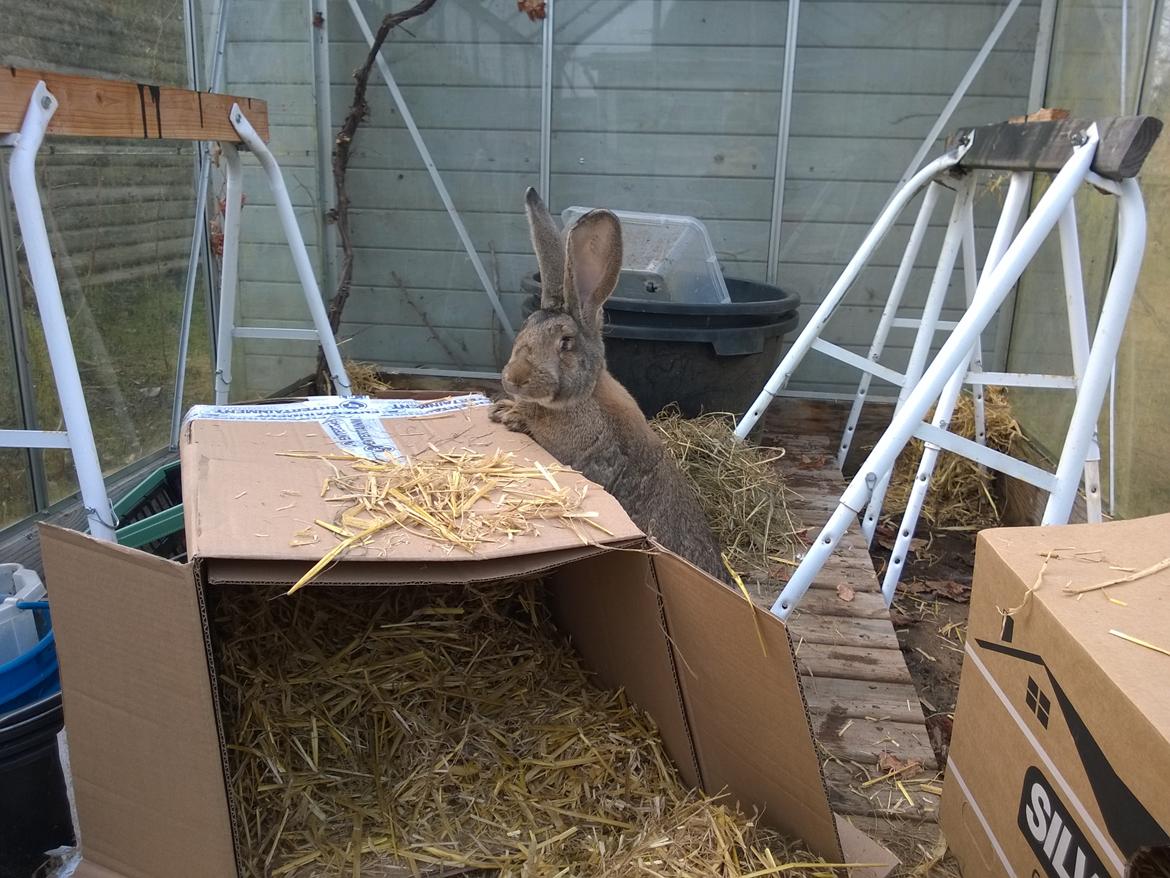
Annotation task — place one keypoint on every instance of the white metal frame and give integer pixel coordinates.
(77, 436)
(958, 362)
(228, 331)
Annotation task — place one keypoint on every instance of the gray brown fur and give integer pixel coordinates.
(561, 394)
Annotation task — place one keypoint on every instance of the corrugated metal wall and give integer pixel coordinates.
(659, 105)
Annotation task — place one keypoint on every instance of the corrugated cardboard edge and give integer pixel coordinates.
(230, 571)
(115, 612)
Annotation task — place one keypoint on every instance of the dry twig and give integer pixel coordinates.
(358, 111)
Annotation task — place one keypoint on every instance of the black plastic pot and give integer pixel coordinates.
(702, 357)
(34, 806)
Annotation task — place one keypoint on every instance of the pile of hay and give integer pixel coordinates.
(740, 488)
(393, 731)
(365, 379)
(960, 495)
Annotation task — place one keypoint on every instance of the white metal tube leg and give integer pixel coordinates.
(820, 317)
(994, 287)
(30, 215)
(296, 243)
(889, 312)
(1131, 242)
(975, 366)
(924, 339)
(944, 410)
(1078, 338)
(229, 276)
(942, 417)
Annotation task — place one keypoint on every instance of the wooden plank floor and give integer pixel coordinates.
(859, 691)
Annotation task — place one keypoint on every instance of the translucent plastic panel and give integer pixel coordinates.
(16, 499)
(1143, 396)
(1086, 75)
(119, 217)
(672, 106)
(269, 56)
(120, 226)
(470, 76)
(871, 80)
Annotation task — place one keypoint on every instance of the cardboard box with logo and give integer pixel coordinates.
(1060, 760)
(137, 647)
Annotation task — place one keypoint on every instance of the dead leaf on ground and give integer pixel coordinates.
(939, 728)
(814, 461)
(888, 762)
(948, 588)
(887, 538)
(943, 588)
(844, 592)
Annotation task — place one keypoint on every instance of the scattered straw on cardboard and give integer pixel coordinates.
(960, 495)
(740, 488)
(460, 499)
(395, 731)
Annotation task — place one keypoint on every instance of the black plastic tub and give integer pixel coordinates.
(701, 357)
(34, 805)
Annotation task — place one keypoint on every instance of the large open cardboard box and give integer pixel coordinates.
(140, 689)
(1060, 760)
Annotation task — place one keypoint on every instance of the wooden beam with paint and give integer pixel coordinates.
(114, 108)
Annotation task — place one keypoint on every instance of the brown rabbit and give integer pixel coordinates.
(562, 395)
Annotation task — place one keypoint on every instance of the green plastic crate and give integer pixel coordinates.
(150, 516)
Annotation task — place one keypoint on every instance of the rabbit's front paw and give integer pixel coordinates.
(507, 412)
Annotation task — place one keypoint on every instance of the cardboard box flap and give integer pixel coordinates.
(117, 612)
(746, 711)
(607, 606)
(246, 498)
(1138, 673)
(860, 848)
(235, 572)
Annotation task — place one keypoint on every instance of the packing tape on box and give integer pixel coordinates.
(354, 424)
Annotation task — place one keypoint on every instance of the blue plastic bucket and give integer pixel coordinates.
(33, 675)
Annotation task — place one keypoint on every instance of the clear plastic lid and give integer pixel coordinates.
(673, 255)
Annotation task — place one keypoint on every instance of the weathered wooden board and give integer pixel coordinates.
(1124, 143)
(860, 694)
(91, 107)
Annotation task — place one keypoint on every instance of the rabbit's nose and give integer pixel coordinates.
(516, 374)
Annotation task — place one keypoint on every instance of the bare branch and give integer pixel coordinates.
(342, 145)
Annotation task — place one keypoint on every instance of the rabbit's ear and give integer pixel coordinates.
(593, 262)
(546, 242)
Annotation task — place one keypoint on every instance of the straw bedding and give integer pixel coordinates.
(961, 495)
(740, 488)
(393, 731)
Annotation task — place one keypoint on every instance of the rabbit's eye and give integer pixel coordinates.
(567, 343)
